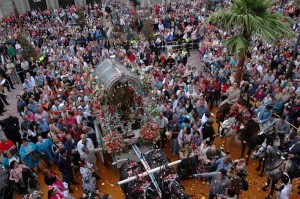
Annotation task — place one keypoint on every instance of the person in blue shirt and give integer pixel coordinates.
(45, 147)
(186, 123)
(264, 114)
(29, 86)
(43, 125)
(278, 105)
(181, 117)
(157, 83)
(223, 163)
(201, 108)
(98, 35)
(9, 157)
(32, 106)
(222, 78)
(26, 153)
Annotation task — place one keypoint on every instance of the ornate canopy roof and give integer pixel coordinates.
(111, 73)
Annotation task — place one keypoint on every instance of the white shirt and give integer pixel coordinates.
(286, 191)
(24, 65)
(89, 145)
(31, 80)
(161, 122)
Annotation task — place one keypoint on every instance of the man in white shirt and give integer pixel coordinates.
(161, 26)
(162, 123)
(84, 142)
(25, 66)
(56, 106)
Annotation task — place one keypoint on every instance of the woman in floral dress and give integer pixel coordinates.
(88, 180)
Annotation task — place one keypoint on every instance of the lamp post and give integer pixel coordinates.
(17, 15)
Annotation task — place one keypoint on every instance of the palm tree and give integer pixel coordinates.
(250, 18)
(17, 15)
(135, 3)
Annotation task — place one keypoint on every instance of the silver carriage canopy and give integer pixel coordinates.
(113, 74)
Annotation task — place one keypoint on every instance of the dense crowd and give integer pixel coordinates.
(57, 104)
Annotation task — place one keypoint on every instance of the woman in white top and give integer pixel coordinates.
(285, 189)
(184, 135)
(267, 100)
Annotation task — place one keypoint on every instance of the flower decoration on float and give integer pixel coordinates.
(150, 133)
(114, 143)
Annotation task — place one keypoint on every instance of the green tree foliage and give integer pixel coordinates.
(249, 18)
(27, 49)
(80, 20)
(148, 30)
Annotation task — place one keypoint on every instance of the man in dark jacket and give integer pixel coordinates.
(71, 147)
(294, 155)
(294, 112)
(3, 71)
(208, 131)
(65, 165)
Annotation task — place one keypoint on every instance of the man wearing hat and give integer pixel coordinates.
(219, 182)
(65, 165)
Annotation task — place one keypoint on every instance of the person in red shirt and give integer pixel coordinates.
(6, 144)
(226, 86)
(76, 131)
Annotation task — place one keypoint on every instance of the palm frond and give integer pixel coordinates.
(253, 17)
(237, 44)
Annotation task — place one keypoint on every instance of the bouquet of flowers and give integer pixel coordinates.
(114, 143)
(150, 133)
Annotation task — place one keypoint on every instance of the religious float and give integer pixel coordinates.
(126, 131)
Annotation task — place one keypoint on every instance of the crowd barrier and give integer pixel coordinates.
(175, 45)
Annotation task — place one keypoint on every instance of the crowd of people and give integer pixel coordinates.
(57, 105)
